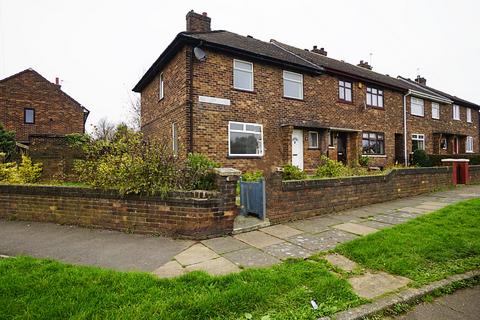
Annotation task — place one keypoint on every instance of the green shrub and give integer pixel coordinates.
(131, 165)
(420, 158)
(329, 168)
(199, 172)
(77, 139)
(7, 142)
(291, 172)
(252, 176)
(3, 156)
(26, 172)
(364, 161)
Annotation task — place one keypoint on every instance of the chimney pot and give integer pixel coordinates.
(364, 64)
(198, 22)
(421, 80)
(319, 51)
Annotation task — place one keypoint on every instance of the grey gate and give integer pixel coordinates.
(252, 198)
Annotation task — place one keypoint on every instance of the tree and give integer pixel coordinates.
(134, 111)
(7, 141)
(104, 130)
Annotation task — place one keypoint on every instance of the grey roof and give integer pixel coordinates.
(413, 85)
(251, 45)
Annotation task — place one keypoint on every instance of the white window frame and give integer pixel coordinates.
(174, 139)
(436, 106)
(243, 70)
(419, 137)
(418, 103)
(246, 131)
(469, 144)
(469, 115)
(285, 78)
(456, 112)
(161, 94)
(310, 141)
(378, 94)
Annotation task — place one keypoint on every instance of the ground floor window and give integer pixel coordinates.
(418, 142)
(313, 139)
(331, 139)
(444, 144)
(373, 143)
(245, 139)
(469, 144)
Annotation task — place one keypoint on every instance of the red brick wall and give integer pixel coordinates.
(291, 200)
(55, 112)
(194, 215)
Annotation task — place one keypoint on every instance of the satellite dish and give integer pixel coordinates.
(199, 54)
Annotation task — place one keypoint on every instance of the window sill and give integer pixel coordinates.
(292, 98)
(469, 152)
(311, 148)
(375, 155)
(436, 119)
(244, 90)
(377, 108)
(417, 115)
(345, 101)
(243, 157)
(456, 119)
(331, 147)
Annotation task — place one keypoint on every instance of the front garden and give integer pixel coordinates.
(424, 249)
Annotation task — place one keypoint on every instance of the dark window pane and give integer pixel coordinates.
(244, 143)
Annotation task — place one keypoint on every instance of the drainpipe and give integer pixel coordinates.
(190, 100)
(405, 152)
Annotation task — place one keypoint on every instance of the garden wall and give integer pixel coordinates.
(291, 200)
(193, 214)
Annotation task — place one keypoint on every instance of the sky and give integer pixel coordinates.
(100, 49)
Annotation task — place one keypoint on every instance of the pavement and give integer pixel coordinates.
(260, 248)
(461, 305)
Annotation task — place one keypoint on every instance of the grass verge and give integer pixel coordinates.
(45, 289)
(425, 249)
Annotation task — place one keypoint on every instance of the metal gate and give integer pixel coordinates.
(252, 198)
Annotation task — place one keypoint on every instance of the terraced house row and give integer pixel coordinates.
(252, 104)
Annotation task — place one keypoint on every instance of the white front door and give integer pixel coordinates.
(297, 148)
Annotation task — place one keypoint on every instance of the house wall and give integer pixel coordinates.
(55, 113)
(158, 115)
(267, 106)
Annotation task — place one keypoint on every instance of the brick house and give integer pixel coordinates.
(252, 105)
(31, 105)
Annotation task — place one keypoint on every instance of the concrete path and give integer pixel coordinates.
(260, 248)
(461, 305)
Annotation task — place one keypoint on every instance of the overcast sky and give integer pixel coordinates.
(100, 49)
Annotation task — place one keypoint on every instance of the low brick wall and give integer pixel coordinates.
(192, 215)
(291, 200)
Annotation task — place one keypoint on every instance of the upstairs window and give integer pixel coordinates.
(345, 91)
(456, 112)
(374, 97)
(292, 85)
(160, 87)
(418, 142)
(435, 110)
(416, 107)
(373, 143)
(313, 140)
(245, 139)
(242, 75)
(469, 144)
(469, 115)
(29, 115)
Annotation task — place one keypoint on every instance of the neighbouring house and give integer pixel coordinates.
(32, 106)
(253, 105)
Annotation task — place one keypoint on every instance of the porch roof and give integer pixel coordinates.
(450, 133)
(317, 125)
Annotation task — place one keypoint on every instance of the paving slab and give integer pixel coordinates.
(341, 262)
(251, 258)
(101, 248)
(376, 224)
(169, 270)
(389, 219)
(225, 244)
(195, 254)
(436, 204)
(355, 228)
(322, 241)
(258, 239)
(314, 225)
(427, 207)
(287, 250)
(281, 231)
(404, 215)
(345, 217)
(371, 285)
(214, 267)
(413, 210)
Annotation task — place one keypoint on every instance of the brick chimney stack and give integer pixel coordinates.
(421, 80)
(57, 82)
(198, 22)
(364, 64)
(319, 51)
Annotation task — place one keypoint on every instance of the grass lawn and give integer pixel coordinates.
(425, 249)
(44, 289)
